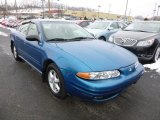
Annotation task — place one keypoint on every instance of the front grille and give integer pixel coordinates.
(125, 41)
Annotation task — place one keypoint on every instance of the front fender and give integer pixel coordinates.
(104, 34)
(64, 60)
(72, 64)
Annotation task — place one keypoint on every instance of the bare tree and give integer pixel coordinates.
(2, 8)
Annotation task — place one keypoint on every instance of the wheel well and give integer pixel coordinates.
(12, 43)
(45, 65)
(102, 37)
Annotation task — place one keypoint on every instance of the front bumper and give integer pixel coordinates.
(102, 90)
(144, 53)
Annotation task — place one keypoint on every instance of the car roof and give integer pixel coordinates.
(83, 20)
(45, 20)
(79, 21)
(107, 21)
(146, 21)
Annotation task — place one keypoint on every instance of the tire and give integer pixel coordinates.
(15, 53)
(55, 81)
(157, 55)
(102, 38)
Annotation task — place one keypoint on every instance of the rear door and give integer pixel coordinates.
(20, 37)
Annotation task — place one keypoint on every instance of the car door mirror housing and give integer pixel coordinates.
(33, 38)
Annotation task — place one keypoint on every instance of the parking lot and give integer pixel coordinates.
(25, 97)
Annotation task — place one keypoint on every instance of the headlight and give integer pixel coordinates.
(111, 39)
(145, 43)
(99, 75)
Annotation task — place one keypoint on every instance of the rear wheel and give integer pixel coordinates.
(15, 53)
(157, 55)
(55, 81)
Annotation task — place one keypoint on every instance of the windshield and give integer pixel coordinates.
(57, 31)
(98, 25)
(152, 27)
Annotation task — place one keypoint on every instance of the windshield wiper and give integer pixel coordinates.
(57, 39)
(137, 30)
(127, 30)
(81, 38)
(146, 31)
(72, 39)
(141, 31)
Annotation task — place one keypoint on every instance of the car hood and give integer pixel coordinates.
(94, 31)
(134, 35)
(99, 55)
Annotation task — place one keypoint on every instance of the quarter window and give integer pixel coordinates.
(32, 29)
(121, 25)
(114, 25)
(23, 28)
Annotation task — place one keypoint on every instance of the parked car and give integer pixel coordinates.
(16, 23)
(7, 22)
(103, 29)
(141, 38)
(11, 22)
(3, 22)
(72, 61)
(1, 19)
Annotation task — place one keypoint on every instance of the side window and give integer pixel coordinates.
(23, 28)
(33, 29)
(114, 25)
(121, 25)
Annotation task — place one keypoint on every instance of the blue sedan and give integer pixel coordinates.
(104, 29)
(73, 62)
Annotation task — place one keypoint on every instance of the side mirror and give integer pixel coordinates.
(33, 38)
(110, 28)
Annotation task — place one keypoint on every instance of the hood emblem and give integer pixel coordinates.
(124, 40)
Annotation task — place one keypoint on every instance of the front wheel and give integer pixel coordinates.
(55, 81)
(102, 38)
(157, 55)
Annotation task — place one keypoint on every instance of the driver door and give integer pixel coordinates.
(33, 49)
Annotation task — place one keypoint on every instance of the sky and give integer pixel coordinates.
(135, 7)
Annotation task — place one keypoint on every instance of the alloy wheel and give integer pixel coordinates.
(15, 52)
(157, 55)
(54, 81)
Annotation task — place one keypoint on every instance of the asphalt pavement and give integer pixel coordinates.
(23, 96)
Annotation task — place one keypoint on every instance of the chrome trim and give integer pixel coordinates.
(124, 39)
(30, 64)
